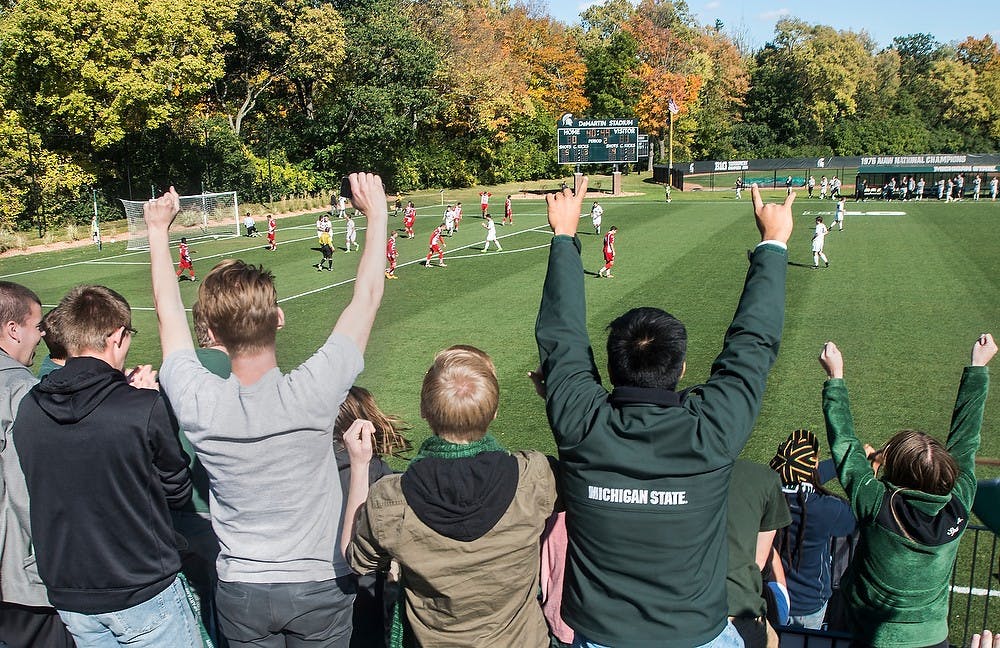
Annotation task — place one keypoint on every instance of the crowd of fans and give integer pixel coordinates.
(223, 501)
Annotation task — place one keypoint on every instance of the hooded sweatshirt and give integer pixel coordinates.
(466, 533)
(102, 464)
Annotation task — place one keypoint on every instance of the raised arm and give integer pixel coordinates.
(174, 332)
(572, 381)
(863, 490)
(730, 399)
(368, 195)
(967, 417)
(358, 441)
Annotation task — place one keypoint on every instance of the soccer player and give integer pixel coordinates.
(596, 212)
(436, 246)
(838, 217)
(823, 183)
(272, 231)
(449, 220)
(484, 202)
(835, 187)
(397, 206)
(409, 218)
(811, 184)
(508, 213)
(609, 253)
(352, 235)
(739, 188)
(326, 247)
(819, 235)
(341, 207)
(993, 188)
(249, 225)
(920, 189)
(977, 185)
(458, 215)
(322, 225)
(390, 254)
(491, 234)
(185, 261)
(788, 185)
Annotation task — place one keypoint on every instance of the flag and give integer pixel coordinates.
(673, 107)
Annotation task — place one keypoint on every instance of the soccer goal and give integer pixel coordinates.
(214, 215)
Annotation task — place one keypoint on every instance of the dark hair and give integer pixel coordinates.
(916, 460)
(52, 325)
(791, 550)
(15, 302)
(646, 348)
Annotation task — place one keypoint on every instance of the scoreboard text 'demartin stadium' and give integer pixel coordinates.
(597, 141)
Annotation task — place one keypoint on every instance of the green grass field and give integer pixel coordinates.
(910, 287)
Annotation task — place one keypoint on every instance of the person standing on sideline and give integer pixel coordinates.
(272, 232)
(491, 234)
(819, 235)
(391, 253)
(266, 437)
(436, 246)
(838, 216)
(645, 469)
(26, 616)
(993, 188)
(609, 252)
(977, 185)
(102, 530)
(352, 235)
(184, 254)
(409, 219)
(920, 189)
(508, 213)
(596, 212)
(484, 202)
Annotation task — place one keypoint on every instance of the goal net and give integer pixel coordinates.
(213, 215)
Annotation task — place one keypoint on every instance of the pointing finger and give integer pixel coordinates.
(758, 203)
(789, 199)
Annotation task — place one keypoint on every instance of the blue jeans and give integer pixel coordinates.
(728, 638)
(164, 621)
(813, 621)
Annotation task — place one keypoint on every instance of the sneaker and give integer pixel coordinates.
(827, 264)
(316, 265)
(442, 265)
(194, 278)
(815, 267)
(610, 276)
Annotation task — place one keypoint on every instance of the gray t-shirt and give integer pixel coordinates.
(275, 497)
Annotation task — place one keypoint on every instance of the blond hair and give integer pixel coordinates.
(88, 315)
(460, 394)
(360, 404)
(916, 460)
(239, 303)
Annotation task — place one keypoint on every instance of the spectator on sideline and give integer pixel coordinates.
(376, 593)
(911, 520)
(645, 470)
(265, 438)
(103, 467)
(756, 511)
(53, 337)
(463, 521)
(817, 516)
(26, 616)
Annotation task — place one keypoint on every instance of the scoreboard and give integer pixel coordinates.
(597, 141)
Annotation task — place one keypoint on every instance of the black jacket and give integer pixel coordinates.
(102, 463)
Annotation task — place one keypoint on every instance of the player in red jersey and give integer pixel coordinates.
(609, 253)
(508, 213)
(272, 230)
(409, 218)
(185, 261)
(436, 246)
(390, 254)
(484, 202)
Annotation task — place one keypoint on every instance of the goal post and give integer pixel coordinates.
(210, 215)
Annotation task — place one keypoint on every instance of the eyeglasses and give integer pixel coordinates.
(131, 331)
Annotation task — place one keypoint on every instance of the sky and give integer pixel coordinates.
(947, 21)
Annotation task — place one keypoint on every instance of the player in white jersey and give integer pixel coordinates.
(323, 225)
(977, 185)
(993, 188)
(823, 184)
(596, 212)
(341, 207)
(838, 217)
(449, 220)
(920, 189)
(819, 235)
(352, 235)
(491, 234)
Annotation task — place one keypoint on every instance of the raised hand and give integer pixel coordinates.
(832, 360)
(774, 221)
(160, 212)
(358, 441)
(368, 195)
(983, 350)
(564, 209)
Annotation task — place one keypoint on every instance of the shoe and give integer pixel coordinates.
(610, 276)
(815, 267)
(827, 264)
(316, 265)
(194, 278)
(392, 276)
(330, 269)
(499, 249)
(442, 265)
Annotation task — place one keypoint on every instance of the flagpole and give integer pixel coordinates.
(670, 161)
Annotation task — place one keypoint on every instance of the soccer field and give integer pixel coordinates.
(909, 287)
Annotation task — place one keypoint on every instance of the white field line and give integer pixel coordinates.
(975, 591)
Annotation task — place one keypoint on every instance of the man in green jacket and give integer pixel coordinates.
(646, 469)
